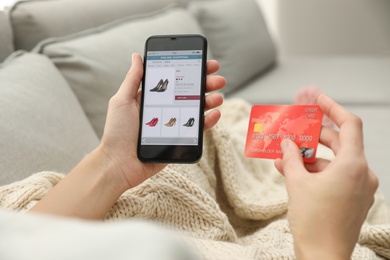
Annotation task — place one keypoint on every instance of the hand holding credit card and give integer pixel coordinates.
(270, 124)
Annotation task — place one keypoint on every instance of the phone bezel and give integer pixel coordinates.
(174, 153)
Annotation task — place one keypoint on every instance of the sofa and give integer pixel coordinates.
(62, 60)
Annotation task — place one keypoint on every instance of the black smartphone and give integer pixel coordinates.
(172, 99)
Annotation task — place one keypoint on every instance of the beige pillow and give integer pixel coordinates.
(238, 38)
(6, 46)
(95, 62)
(33, 21)
(43, 127)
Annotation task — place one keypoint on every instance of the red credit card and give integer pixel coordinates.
(270, 124)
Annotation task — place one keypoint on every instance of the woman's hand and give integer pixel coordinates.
(329, 201)
(119, 141)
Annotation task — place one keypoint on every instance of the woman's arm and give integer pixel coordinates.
(329, 201)
(93, 186)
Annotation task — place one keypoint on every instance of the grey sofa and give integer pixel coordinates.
(63, 59)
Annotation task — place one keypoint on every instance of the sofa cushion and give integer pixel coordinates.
(33, 21)
(95, 62)
(6, 46)
(43, 127)
(349, 80)
(238, 38)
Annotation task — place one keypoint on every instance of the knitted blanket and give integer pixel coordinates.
(228, 206)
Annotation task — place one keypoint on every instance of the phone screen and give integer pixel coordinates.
(172, 103)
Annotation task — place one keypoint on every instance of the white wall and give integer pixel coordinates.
(5, 3)
(329, 27)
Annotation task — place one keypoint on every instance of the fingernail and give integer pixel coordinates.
(285, 144)
(323, 96)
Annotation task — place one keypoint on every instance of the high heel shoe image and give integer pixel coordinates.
(159, 84)
(163, 86)
(153, 122)
(190, 122)
(171, 122)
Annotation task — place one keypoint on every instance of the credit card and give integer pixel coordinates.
(270, 124)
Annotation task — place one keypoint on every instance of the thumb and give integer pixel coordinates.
(292, 162)
(133, 78)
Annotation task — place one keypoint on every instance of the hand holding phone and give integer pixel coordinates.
(172, 100)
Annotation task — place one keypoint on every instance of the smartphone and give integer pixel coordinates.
(172, 99)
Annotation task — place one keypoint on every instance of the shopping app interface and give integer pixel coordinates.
(172, 98)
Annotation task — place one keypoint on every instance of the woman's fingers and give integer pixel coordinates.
(211, 119)
(212, 101)
(330, 138)
(212, 66)
(291, 166)
(318, 166)
(351, 126)
(215, 82)
(131, 83)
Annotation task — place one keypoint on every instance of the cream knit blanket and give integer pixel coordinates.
(228, 206)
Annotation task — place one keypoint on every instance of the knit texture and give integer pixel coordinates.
(227, 206)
